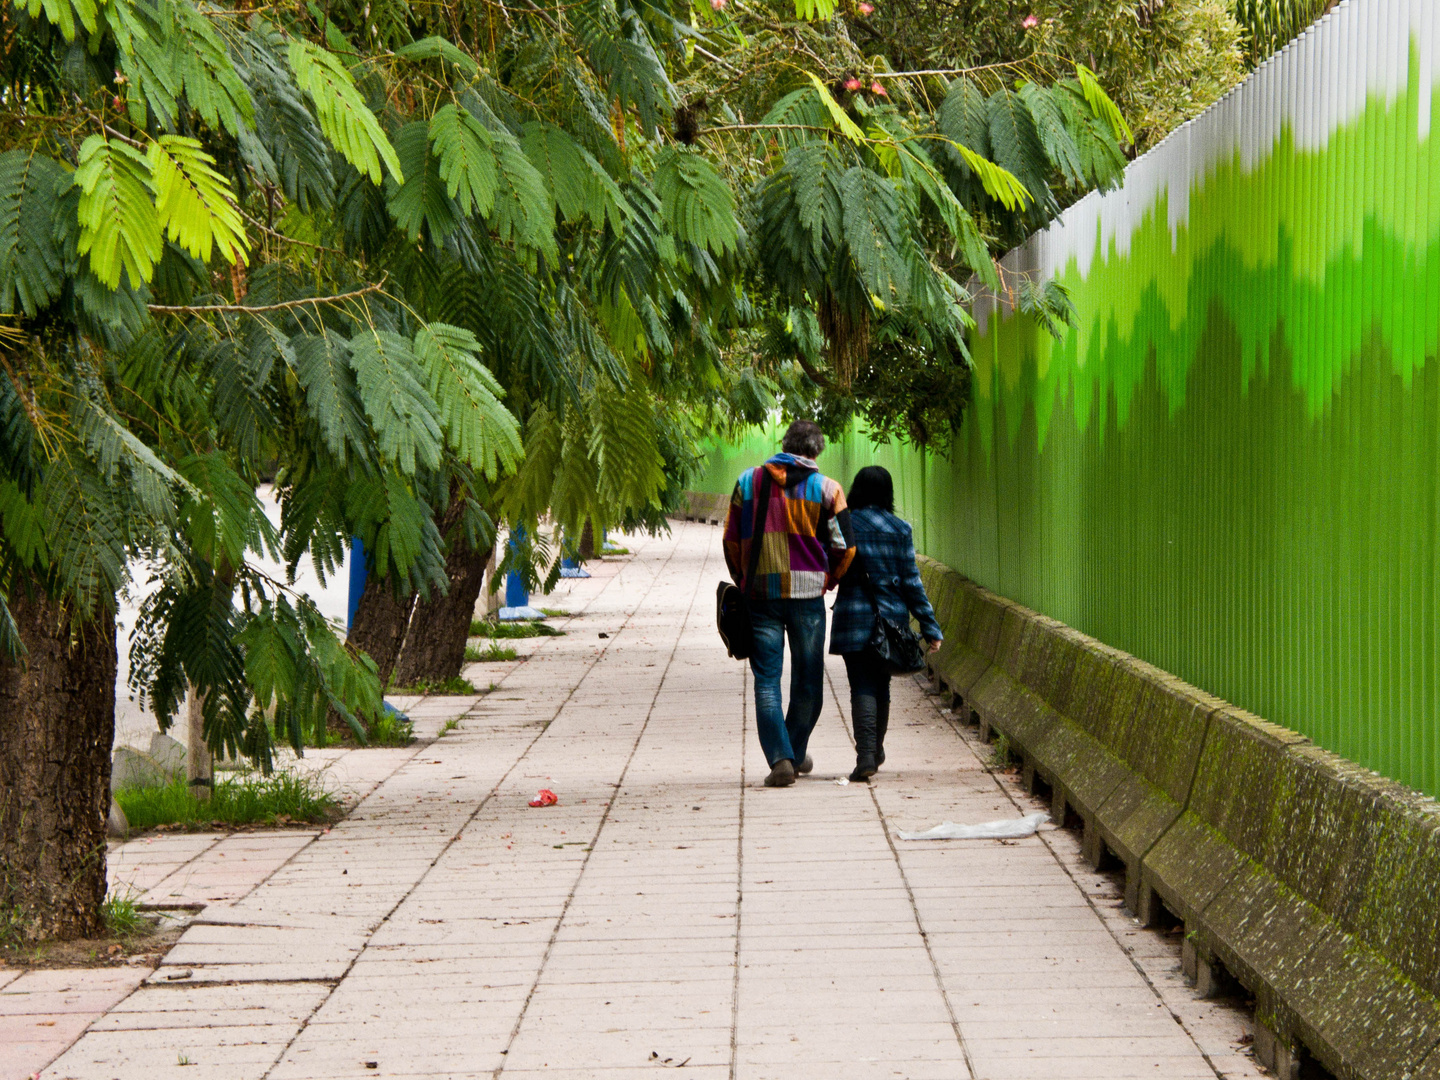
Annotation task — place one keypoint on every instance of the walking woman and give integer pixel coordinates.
(884, 568)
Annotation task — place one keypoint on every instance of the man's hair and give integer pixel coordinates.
(803, 438)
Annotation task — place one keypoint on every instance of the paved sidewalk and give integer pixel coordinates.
(670, 912)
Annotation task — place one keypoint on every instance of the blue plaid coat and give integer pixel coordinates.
(885, 550)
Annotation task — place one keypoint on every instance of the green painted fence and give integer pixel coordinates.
(1230, 466)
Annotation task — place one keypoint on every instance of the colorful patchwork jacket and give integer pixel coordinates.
(807, 545)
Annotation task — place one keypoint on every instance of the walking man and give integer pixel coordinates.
(803, 529)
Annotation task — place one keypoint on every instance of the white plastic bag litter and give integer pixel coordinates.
(1007, 829)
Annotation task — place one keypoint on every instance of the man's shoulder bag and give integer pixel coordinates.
(732, 604)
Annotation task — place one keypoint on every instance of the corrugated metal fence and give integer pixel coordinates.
(1230, 466)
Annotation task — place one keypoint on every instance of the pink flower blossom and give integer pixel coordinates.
(718, 5)
(876, 88)
(866, 9)
(1031, 21)
(852, 84)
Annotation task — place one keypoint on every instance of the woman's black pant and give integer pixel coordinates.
(869, 702)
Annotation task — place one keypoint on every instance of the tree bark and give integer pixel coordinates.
(435, 643)
(379, 627)
(200, 767)
(57, 728)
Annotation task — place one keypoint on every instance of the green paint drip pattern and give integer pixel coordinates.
(1231, 466)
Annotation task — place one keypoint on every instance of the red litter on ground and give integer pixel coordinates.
(544, 797)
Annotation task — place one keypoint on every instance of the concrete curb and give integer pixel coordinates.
(1310, 880)
(704, 507)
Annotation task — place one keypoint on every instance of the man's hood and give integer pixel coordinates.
(790, 469)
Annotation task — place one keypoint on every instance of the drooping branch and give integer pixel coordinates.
(249, 309)
(269, 231)
(814, 374)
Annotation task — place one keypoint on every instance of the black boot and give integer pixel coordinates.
(882, 723)
(862, 714)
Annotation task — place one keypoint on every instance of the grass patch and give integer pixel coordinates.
(390, 729)
(510, 630)
(1001, 754)
(247, 799)
(450, 725)
(558, 613)
(616, 551)
(492, 653)
(437, 688)
(122, 918)
(11, 923)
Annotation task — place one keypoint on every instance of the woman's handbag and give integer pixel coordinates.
(898, 647)
(732, 604)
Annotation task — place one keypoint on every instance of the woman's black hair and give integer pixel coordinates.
(872, 487)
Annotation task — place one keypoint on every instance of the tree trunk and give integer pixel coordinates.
(435, 643)
(57, 727)
(379, 627)
(492, 594)
(200, 767)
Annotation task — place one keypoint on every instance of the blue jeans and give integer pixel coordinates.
(785, 734)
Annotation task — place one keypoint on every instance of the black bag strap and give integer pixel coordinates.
(865, 582)
(757, 530)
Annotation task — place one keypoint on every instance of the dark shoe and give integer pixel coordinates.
(882, 722)
(782, 774)
(862, 716)
(807, 766)
(865, 768)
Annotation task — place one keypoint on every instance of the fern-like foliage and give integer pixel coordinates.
(1016, 146)
(222, 517)
(621, 52)
(478, 428)
(624, 445)
(1102, 161)
(392, 387)
(465, 149)
(119, 229)
(581, 188)
(420, 200)
(697, 204)
(193, 202)
(86, 533)
(814, 9)
(286, 145)
(31, 266)
(322, 365)
(173, 59)
(792, 119)
(344, 117)
(1053, 130)
(398, 527)
(69, 18)
(524, 213)
(875, 233)
(1101, 105)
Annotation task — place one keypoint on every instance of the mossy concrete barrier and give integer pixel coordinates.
(1310, 880)
(703, 506)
